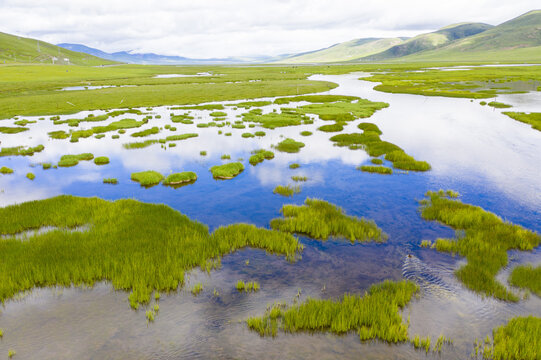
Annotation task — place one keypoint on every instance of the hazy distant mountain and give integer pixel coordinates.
(16, 49)
(345, 51)
(150, 58)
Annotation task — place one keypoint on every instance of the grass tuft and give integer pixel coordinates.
(527, 277)
(289, 146)
(287, 190)
(227, 171)
(147, 178)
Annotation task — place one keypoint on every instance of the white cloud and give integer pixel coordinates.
(218, 28)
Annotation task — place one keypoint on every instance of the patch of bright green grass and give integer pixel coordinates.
(21, 150)
(306, 133)
(315, 99)
(30, 176)
(376, 169)
(498, 105)
(24, 122)
(12, 130)
(218, 114)
(527, 277)
(287, 190)
(101, 160)
(5, 170)
(251, 286)
(373, 315)
(183, 118)
(365, 126)
(260, 155)
(196, 289)
(321, 220)
(96, 118)
(147, 178)
(517, 340)
(72, 160)
(227, 171)
(289, 145)
(225, 157)
(274, 120)
(533, 119)
(134, 246)
(203, 153)
(294, 166)
(146, 143)
(61, 134)
(114, 126)
(180, 137)
(376, 161)
(247, 135)
(260, 133)
(299, 178)
(249, 104)
(403, 161)
(110, 181)
(152, 131)
(336, 127)
(484, 241)
(201, 107)
(180, 178)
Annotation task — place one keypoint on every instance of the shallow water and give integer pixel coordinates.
(492, 160)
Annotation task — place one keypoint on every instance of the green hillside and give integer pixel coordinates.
(15, 49)
(345, 51)
(431, 40)
(518, 39)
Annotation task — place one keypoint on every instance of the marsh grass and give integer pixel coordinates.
(289, 146)
(533, 119)
(46, 166)
(251, 286)
(110, 181)
(498, 105)
(152, 131)
(294, 166)
(21, 150)
(376, 169)
(12, 130)
(5, 170)
(373, 315)
(517, 340)
(101, 160)
(227, 171)
(225, 157)
(218, 114)
(288, 190)
(321, 220)
(376, 161)
(196, 289)
(184, 119)
(180, 178)
(30, 176)
(298, 178)
(260, 155)
(72, 160)
(134, 246)
(527, 277)
(146, 143)
(247, 135)
(306, 133)
(147, 178)
(484, 240)
(114, 126)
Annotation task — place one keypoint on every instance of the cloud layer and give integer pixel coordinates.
(218, 28)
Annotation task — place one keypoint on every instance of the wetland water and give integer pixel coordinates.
(492, 160)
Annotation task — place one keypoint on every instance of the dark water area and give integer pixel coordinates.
(491, 160)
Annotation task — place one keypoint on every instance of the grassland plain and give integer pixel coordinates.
(135, 246)
(484, 241)
(321, 220)
(373, 315)
(519, 339)
(527, 277)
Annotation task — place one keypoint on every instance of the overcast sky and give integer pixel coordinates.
(222, 28)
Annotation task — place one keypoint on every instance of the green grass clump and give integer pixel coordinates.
(517, 340)
(30, 176)
(21, 150)
(274, 120)
(373, 315)
(5, 170)
(336, 127)
(180, 178)
(152, 131)
(299, 178)
(225, 157)
(227, 171)
(247, 135)
(498, 105)
(376, 169)
(237, 126)
(249, 104)
(376, 161)
(260, 133)
(147, 178)
(306, 133)
(101, 160)
(260, 155)
(110, 181)
(196, 289)
(11, 353)
(146, 143)
(218, 114)
(203, 153)
(72, 160)
(294, 166)
(24, 122)
(134, 246)
(315, 99)
(426, 244)
(114, 126)
(365, 126)
(527, 277)
(12, 130)
(183, 118)
(180, 137)
(251, 286)
(46, 166)
(139, 144)
(201, 107)
(287, 190)
(321, 220)
(289, 145)
(60, 134)
(533, 119)
(484, 241)
(483, 103)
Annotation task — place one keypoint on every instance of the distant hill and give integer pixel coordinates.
(150, 58)
(16, 49)
(345, 51)
(518, 39)
(432, 40)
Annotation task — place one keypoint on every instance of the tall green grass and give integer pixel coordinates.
(483, 238)
(527, 277)
(321, 220)
(373, 315)
(135, 246)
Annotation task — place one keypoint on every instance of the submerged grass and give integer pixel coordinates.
(135, 246)
(519, 339)
(321, 220)
(484, 240)
(373, 315)
(288, 190)
(289, 146)
(227, 171)
(527, 277)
